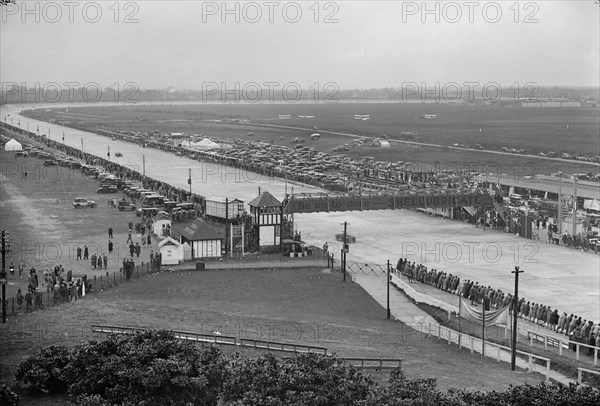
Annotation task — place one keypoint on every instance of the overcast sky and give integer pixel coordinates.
(364, 45)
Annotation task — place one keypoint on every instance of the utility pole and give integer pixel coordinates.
(513, 356)
(226, 226)
(5, 250)
(575, 206)
(108, 153)
(388, 289)
(559, 203)
(344, 250)
(190, 180)
(144, 165)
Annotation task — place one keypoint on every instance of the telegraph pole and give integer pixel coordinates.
(513, 356)
(559, 203)
(575, 206)
(5, 250)
(388, 289)
(190, 180)
(344, 250)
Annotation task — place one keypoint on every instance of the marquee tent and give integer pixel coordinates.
(13, 145)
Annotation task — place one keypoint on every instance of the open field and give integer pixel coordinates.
(309, 305)
(532, 129)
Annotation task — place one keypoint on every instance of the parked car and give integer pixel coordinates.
(107, 189)
(126, 205)
(80, 202)
(118, 154)
(147, 212)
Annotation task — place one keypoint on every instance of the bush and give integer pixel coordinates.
(155, 368)
(146, 368)
(46, 371)
(8, 397)
(304, 380)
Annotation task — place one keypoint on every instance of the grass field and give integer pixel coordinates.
(310, 306)
(559, 130)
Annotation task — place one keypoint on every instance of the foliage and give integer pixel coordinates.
(46, 371)
(155, 368)
(146, 368)
(8, 397)
(307, 379)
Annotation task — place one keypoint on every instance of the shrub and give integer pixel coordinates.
(304, 380)
(8, 397)
(146, 368)
(46, 371)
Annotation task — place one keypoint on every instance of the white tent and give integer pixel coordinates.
(13, 145)
(590, 204)
(205, 144)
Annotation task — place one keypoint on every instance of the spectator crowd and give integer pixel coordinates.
(573, 326)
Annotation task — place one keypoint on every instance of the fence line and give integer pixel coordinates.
(374, 363)
(580, 372)
(561, 345)
(366, 269)
(51, 298)
(444, 333)
(220, 340)
(549, 342)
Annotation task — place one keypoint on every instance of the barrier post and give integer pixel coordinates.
(530, 367)
(596, 356)
(577, 351)
(547, 370)
(545, 342)
(560, 347)
(472, 344)
(579, 375)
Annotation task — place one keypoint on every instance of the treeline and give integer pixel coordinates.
(12, 93)
(155, 368)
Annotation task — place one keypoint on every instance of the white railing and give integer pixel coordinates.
(452, 336)
(580, 372)
(551, 342)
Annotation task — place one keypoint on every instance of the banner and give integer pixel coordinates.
(475, 314)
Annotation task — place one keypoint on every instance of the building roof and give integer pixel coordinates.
(265, 199)
(199, 230)
(168, 241)
(161, 216)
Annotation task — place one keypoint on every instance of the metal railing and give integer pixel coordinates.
(366, 269)
(219, 340)
(278, 346)
(374, 363)
(41, 300)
